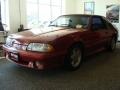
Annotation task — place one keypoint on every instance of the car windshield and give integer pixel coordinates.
(72, 21)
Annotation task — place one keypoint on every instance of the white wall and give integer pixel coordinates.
(17, 14)
(100, 8)
(71, 6)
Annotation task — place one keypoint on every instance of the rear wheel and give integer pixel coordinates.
(112, 44)
(74, 57)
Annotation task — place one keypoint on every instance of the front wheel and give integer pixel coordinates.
(74, 57)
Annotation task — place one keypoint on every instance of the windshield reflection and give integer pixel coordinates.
(72, 21)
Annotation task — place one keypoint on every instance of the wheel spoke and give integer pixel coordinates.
(113, 44)
(75, 57)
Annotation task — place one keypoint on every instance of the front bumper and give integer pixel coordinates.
(34, 59)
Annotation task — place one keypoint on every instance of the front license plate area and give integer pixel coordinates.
(14, 56)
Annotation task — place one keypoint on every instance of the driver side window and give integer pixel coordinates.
(98, 23)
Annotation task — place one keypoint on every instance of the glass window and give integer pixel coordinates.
(46, 2)
(72, 21)
(44, 16)
(56, 2)
(4, 14)
(56, 11)
(98, 23)
(32, 13)
(43, 11)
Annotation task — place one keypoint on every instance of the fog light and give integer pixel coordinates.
(30, 65)
(39, 65)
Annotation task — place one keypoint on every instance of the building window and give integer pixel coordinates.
(41, 12)
(89, 7)
(4, 14)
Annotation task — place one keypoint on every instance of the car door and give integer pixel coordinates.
(97, 34)
(111, 30)
(99, 28)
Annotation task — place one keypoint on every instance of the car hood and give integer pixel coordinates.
(43, 34)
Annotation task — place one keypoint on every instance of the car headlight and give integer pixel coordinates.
(39, 47)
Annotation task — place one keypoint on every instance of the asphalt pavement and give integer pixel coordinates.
(98, 72)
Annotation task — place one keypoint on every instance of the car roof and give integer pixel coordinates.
(81, 15)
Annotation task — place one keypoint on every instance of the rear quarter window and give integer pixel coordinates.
(110, 26)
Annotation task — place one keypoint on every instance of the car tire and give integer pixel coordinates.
(74, 57)
(112, 44)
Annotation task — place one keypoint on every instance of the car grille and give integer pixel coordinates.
(15, 44)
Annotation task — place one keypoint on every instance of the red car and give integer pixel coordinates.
(64, 42)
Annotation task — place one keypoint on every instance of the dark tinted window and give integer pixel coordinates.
(98, 23)
(109, 24)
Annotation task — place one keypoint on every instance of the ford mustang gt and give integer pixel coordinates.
(65, 41)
